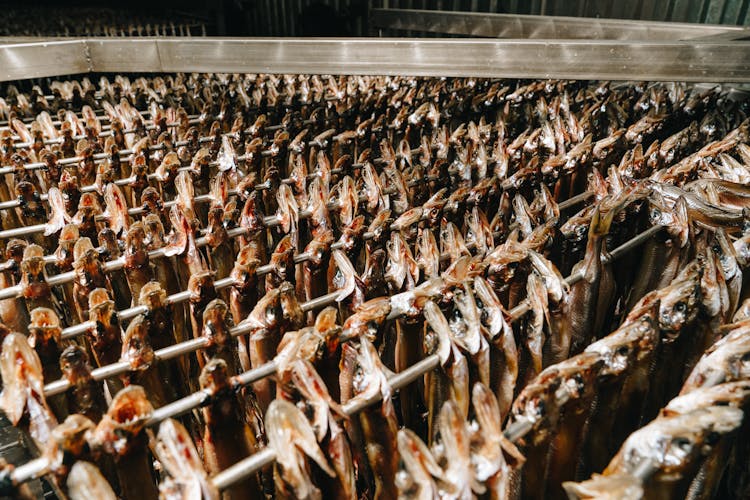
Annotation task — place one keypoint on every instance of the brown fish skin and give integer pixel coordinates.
(244, 290)
(628, 354)
(137, 266)
(45, 339)
(85, 395)
(64, 263)
(663, 256)
(159, 315)
(121, 435)
(202, 291)
(13, 312)
(105, 338)
(227, 438)
(544, 402)
(34, 287)
(263, 340)
(89, 275)
(164, 272)
(315, 270)
(379, 422)
(282, 264)
(68, 444)
(221, 345)
(220, 246)
(584, 293)
(117, 279)
(144, 368)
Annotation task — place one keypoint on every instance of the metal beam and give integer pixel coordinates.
(21, 59)
(692, 61)
(577, 59)
(482, 24)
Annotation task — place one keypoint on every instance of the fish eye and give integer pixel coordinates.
(680, 307)
(683, 444)
(623, 350)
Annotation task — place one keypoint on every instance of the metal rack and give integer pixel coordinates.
(689, 61)
(692, 59)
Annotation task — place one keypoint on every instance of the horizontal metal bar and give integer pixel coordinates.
(690, 61)
(483, 24)
(639, 60)
(22, 60)
(266, 456)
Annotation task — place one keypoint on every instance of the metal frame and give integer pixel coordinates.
(690, 61)
(483, 24)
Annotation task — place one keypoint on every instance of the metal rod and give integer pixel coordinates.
(189, 346)
(250, 465)
(266, 456)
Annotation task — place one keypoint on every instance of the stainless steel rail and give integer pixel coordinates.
(690, 61)
(484, 24)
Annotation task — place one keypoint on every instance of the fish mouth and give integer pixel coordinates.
(130, 408)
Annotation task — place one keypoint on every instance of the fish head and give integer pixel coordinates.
(86, 481)
(291, 311)
(406, 223)
(74, 363)
(292, 437)
(420, 468)
(370, 376)
(727, 360)
(215, 377)
(44, 327)
(252, 216)
(504, 261)
(367, 318)
(634, 341)
(69, 439)
(136, 345)
(734, 394)
(101, 306)
(433, 207)
(464, 320)
(176, 452)
(679, 304)
(380, 228)
(576, 228)
(201, 286)
(315, 395)
(126, 417)
(217, 321)
(32, 264)
(319, 248)
(676, 442)
(154, 229)
(619, 486)
(153, 296)
(244, 273)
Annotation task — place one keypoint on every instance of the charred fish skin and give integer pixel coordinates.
(227, 437)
